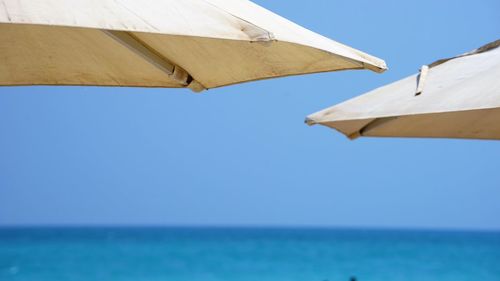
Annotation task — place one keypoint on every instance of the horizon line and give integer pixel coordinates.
(242, 227)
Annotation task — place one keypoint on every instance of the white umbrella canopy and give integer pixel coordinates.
(199, 44)
(451, 98)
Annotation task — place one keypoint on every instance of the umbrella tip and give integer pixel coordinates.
(377, 68)
(310, 122)
(196, 86)
(355, 135)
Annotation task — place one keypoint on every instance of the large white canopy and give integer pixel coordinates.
(199, 44)
(452, 98)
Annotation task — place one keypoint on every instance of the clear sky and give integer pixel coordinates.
(242, 155)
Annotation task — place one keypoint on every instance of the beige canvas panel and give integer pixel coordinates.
(216, 63)
(472, 124)
(42, 55)
(186, 17)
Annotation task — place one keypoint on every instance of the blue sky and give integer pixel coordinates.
(241, 155)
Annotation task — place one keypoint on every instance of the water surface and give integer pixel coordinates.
(246, 254)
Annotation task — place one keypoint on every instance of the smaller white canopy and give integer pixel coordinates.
(451, 98)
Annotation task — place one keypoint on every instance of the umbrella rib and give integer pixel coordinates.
(140, 48)
(421, 79)
(483, 49)
(268, 36)
(375, 123)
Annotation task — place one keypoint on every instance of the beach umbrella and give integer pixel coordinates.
(451, 98)
(199, 44)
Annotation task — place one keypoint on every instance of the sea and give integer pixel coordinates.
(246, 254)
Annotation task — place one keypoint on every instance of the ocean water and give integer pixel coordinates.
(193, 254)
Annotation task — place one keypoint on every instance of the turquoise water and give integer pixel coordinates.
(175, 254)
